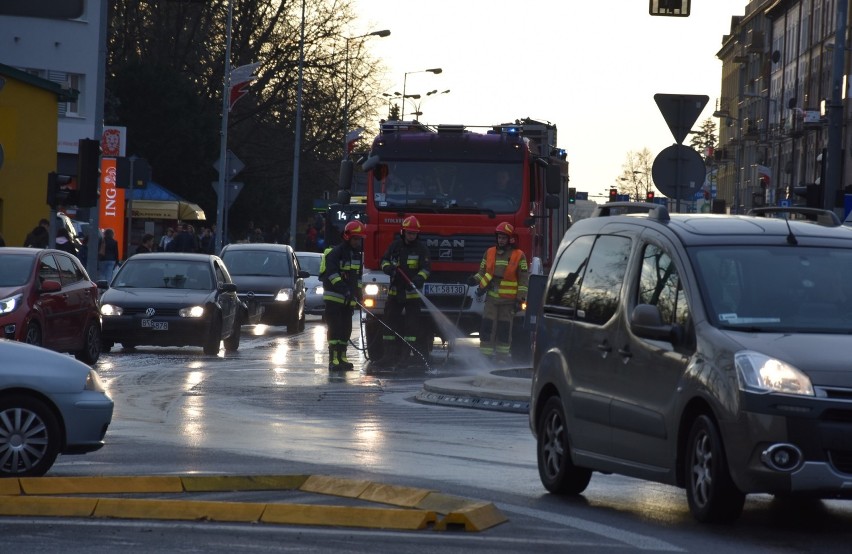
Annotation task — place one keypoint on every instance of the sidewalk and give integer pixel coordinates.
(505, 390)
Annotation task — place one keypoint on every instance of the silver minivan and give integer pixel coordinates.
(710, 352)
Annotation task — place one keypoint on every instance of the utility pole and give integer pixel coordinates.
(834, 162)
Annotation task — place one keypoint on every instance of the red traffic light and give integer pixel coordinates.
(649, 196)
(613, 195)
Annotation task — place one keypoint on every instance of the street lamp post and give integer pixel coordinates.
(435, 70)
(738, 158)
(382, 33)
(223, 138)
(297, 143)
(417, 112)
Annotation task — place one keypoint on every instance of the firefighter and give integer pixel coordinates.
(502, 278)
(340, 271)
(406, 262)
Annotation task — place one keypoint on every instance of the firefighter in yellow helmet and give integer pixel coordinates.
(406, 262)
(340, 271)
(502, 278)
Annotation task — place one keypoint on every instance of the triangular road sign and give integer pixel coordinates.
(681, 111)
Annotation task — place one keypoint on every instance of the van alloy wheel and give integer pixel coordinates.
(710, 491)
(556, 470)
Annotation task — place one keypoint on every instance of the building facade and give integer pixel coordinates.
(777, 64)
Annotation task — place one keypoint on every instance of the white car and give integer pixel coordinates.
(310, 262)
(50, 404)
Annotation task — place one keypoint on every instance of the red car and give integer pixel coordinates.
(47, 299)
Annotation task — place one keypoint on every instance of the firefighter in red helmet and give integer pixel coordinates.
(340, 271)
(502, 278)
(406, 262)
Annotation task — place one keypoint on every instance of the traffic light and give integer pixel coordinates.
(572, 195)
(88, 172)
(649, 196)
(669, 8)
(613, 195)
(811, 194)
(58, 192)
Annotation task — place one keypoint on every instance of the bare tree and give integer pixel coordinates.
(165, 81)
(635, 178)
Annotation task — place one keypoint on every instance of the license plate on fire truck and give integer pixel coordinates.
(432, 289)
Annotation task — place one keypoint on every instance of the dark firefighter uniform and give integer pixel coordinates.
(503, 276)
(406, 262)
(340, 271)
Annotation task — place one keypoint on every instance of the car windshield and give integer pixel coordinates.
(777, 289)
(15, 269)
(311, 264)
(164, 274)
(262, 263)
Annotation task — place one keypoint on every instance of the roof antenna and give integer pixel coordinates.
(791, 238)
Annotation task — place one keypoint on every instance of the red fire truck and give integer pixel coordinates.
(449, 176)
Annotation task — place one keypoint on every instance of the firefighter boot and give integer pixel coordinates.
(333, 359)
(345, 364)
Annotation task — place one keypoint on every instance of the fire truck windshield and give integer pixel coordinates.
(491, 186)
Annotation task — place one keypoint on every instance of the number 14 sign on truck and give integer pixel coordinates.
(460, 182)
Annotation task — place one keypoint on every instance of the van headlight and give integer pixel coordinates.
(762, 374)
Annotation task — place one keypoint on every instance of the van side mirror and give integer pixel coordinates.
(647, 323)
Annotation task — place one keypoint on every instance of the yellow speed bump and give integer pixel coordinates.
(407, 497)
(215, 483)
(477, 516)
(127, 508)
(47, 506)
(373, 518)
(100, 485)
(41, 496)
(473, 515)
(9, 487)
(335, 486)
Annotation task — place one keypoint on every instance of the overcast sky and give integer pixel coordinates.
(592, 67)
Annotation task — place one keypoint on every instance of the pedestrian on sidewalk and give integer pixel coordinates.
(502, 278)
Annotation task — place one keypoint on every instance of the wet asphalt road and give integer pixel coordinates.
(273, 408)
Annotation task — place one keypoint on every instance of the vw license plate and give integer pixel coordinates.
(156, 325)
(443, 290)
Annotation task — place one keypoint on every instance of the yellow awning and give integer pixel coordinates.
(190, 211)
(167, 209)
(154, 209)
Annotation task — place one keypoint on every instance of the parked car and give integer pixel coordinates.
(50, 404)
(47, 299)
(270, 283)
(310, 262)
(709, 352)
(171, 299)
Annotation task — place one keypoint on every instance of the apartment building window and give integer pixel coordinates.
(75, 82)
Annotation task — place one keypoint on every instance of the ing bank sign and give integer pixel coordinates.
(111, 203)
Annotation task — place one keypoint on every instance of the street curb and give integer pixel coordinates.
(416, 508)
